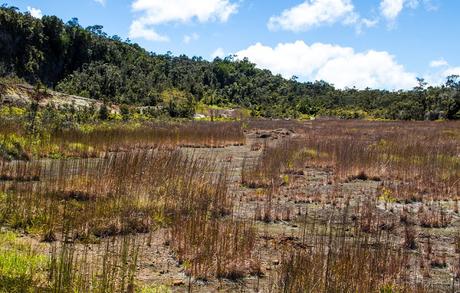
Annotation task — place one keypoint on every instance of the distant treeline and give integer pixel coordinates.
(89, 63)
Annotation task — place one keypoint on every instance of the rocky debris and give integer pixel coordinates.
(283, 131)
(272, 134)
(256, 147)
(199, 116)
(16, 97)
(177, 283)
(264, 134)
(225, 113)
(21, 95)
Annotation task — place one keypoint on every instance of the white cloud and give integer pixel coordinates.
(156, 12)
(219, 52)
(102, 2)
(189, 38)
(451, 71)
(391, 9)
(313, 13)
(365, 23)
(440, 76)
(341, 66)
(438, 63)
(413, 3)
(439, 71)
(138, 30)
(35, 12)
(369, 22)
(374, 69)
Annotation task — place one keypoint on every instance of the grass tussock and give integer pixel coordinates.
(222, 249)
(287, 157)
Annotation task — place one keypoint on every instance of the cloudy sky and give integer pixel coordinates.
(350, 43)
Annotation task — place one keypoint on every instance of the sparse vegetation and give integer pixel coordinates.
(97, 202)
(163, 177)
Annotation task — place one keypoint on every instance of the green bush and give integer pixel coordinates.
(12, 147)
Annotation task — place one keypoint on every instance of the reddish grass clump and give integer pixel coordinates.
(415, 160)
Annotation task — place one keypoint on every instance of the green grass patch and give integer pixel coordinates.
(22, 268)
(155, 289)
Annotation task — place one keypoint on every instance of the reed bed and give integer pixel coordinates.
(212, 248)
(20, 171)
(111, 268)
(271, 124)
(83, 202)
(347, 267)
(100, 211)
(285, 157)
(97, 140)
(348, 249)
(151, 135)
(119, 194)
(379, 246)
(416, 160)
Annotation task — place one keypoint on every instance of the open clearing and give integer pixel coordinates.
(273, 206)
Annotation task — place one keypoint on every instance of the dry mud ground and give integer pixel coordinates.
(309, 192)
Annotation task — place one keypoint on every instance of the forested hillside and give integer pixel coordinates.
(87, 62)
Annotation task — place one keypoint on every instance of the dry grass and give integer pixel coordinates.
(127, 183)
(121, 138)
(127, 193)
(285, 158)
(90, 141)
(417, 160)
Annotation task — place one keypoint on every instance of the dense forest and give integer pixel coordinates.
(87, 62)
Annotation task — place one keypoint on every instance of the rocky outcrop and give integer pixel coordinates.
(22, 95)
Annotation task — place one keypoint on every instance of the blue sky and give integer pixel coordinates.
(361, 43)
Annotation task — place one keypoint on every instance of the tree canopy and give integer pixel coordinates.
(89, 63)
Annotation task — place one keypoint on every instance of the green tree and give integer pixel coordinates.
(104, 112)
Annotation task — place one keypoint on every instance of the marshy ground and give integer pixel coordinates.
(260, 206)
